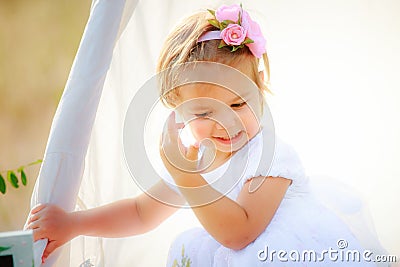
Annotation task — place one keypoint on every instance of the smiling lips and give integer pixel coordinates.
(229, 139)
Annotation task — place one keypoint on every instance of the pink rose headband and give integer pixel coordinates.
(236, 29)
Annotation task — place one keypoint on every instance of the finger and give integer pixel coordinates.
(182, 148)
(196, 144)
(33, 225)
(171, 121)
(38, 208)
(172, 125)
(38, 233)
(33, 217)
(171, 129)
(192, 153)
(51, 246)
(39, 214)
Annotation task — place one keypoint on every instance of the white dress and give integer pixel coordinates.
(300, 225)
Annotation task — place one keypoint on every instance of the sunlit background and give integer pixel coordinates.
(334, 66)
(38, 42)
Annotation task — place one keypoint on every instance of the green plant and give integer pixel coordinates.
(185, 261)
(4, 249)
(12, 177)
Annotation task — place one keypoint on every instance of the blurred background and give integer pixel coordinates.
(38, 42)
(334, 66)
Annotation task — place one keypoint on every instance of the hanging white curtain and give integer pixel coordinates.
(61, 172)
(84, 165)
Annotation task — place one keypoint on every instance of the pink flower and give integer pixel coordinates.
(255, 34)
(225, 12)
(233, 34)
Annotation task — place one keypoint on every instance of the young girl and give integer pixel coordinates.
(269, 216)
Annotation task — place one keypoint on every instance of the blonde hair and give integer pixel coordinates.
(181, 47)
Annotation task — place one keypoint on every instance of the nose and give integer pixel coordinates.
(227, 121)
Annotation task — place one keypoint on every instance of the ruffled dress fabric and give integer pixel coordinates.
(301, 226)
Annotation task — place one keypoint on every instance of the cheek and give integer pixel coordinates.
(201, 128)
(251, 121)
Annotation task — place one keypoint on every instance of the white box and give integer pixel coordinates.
(16, 249)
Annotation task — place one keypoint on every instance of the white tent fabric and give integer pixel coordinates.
(61, 172)
(84, 166)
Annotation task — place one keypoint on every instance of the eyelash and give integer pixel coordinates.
(203, 115)
(207, 114)
(238, 105)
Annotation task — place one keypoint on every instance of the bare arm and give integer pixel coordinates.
(129, 216)
(121, 218)
(235, 224)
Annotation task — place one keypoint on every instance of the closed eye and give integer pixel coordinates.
(203, 115)
(238, 105)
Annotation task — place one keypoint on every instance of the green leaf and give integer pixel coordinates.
(4, 249)
(248, 41)
(225, 23)
(234, 48)
(222, 44)
(228, 21)
(12, 178)
(212, 12)
(23, 177)
(2, 185)
(35, 162)
(215, 23)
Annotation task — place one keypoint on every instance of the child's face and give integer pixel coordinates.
(218, 114)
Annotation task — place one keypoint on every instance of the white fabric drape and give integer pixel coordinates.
(61, 172)
(84, 165)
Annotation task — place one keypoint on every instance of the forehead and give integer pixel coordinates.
(205, 90)
(218, 92)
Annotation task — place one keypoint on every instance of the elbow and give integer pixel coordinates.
(243, 238)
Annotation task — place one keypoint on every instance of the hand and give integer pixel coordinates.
(179, 160)
(53, 223)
